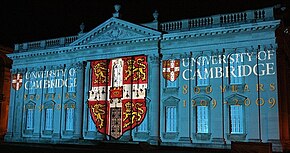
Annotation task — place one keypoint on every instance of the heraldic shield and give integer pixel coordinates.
(170, 69)
(117, 98)
(17, 81)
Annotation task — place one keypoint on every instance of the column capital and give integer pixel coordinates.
(78, 65)
(154, 59)
(185, 55)
(22, 70)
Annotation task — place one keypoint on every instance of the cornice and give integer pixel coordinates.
(69, 49)
(222, 30)
(165, 37)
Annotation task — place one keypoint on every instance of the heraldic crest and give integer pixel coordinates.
(117, 97)
(17, 81)
(170, 69)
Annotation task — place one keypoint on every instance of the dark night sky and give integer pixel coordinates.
(33, 20)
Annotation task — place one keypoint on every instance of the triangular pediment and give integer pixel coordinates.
(113, 30)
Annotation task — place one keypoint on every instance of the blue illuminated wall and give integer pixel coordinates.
(222, 86)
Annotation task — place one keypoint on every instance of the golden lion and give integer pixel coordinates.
(100, 70)
(98, 112)
(140, 70)
(135, 115)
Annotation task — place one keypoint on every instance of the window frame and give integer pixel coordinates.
(205, 65)
(234, 80)
(197, 118)
(241, 120)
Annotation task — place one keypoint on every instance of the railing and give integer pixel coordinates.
(50, 43)
(200, 22)
(249, 16)
(232, 18)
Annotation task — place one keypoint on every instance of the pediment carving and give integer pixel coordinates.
(115, 30)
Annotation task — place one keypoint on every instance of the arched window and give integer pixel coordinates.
(202, 71)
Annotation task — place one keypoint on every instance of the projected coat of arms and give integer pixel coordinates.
(170, 69)
(117, 97)
(17, 81)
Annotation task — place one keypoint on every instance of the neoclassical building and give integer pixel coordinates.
(202, 82)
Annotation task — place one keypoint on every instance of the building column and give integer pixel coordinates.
(153, 94)
(184, 116)
(18, 108)
(79, 99)
(9, 133)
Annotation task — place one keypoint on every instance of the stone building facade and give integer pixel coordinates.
(201, 82)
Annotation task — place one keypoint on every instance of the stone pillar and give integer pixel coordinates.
(79, 100)
(153, 94)
(85, 100)
(218, 116)
(18, 108)
(9, 133)
(184, 106)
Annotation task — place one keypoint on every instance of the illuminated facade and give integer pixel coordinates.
(201, 82)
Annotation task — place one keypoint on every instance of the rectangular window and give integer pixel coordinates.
(171, 84)
(236, 115)
(69, 119)
(235, 77)
(143, 127)
(91, 124)
(171, 119)
(202, 75)
(52, 84)
(48, 119)
(71, 85)
(29, 119)
(31, 89)
(202, 119)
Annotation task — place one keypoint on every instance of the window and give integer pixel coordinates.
(236, 119)
(71, 85)
(171, 84)
(171, 119)
(48, 118)
(29, 119)
(235, 66)
(31, 87)
(202, 76)
(72, 80)
(143, 127)
(202, 119)
(69, 119)
(91, 124)
(52, 81)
